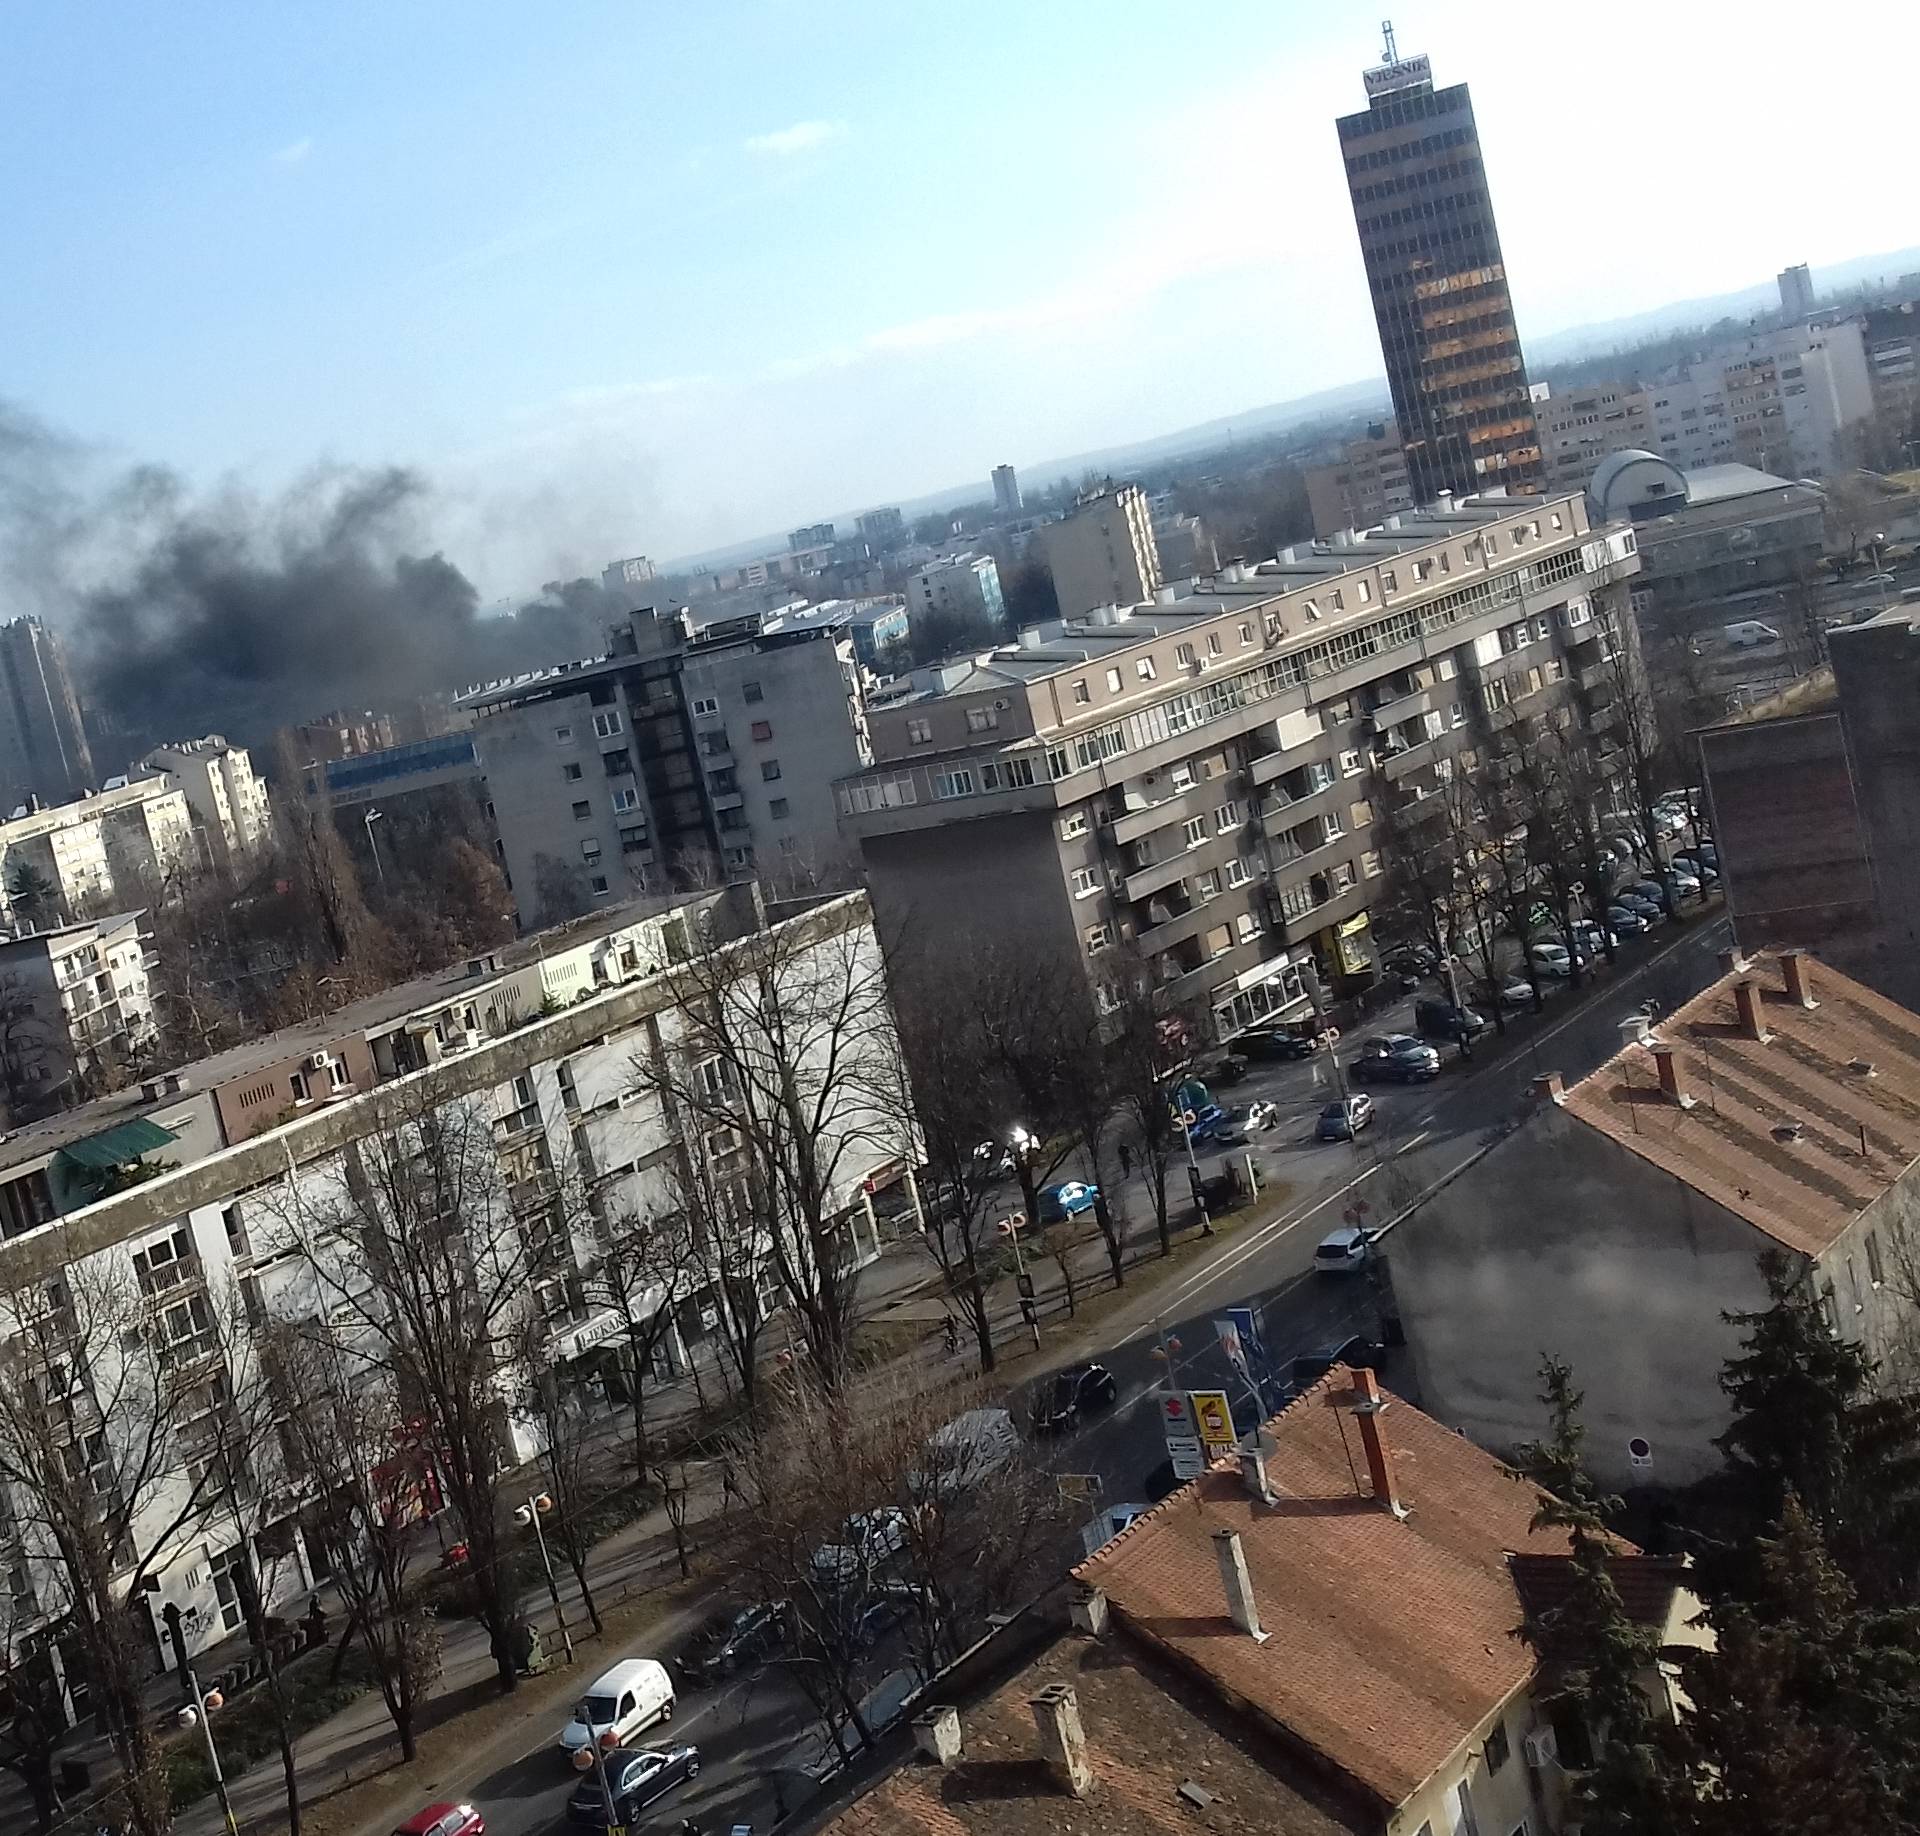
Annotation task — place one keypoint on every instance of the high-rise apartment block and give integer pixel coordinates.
(43, 743)
(79, 1008)
(812, 535)
(1192, 779)
(675, 753)
(964, 586)
(1006, 491)
(1439, 284)
(228, 801)
(1103, 552)
(1365, 485)
(882, 530)
(1796, 292)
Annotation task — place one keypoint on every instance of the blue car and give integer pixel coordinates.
(1068, 1199)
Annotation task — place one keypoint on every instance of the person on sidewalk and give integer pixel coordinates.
(1126, 1161)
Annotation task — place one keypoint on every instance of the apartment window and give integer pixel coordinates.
(1144, 669)
(1081, 693)
(982, 720)
(302, 1090)
(1365, 589)
(739, 857)
(590, 849)
(571, 773)
(337, 1075)
(581, 811)
(1371, 866)
(705, 707)
(1238, 873)
(1343, 876)
(1074, 825)
(1246, 634)
(1181, 776)
(1497, 1751)
(956, 782)
(1196, 831)
(1207, 885)
(1313, 608)
(769, 771)
(618, 762)
(1350, 764)
(715, 743)
(1213, 643)
(1184, 655)
(1456, 714)
(1559, 522)
(1873, 1259)
(1465, 1823)
(633, 841)
(563, 735)
(751, 692)
(1220, 940)
(1246, 927)
(777, 809)
(1099, 936)
(1114, 682)
(1389, 581)
(1085, 883)
(1226, 817)
(919, 733)
(598, 883)
(626, 800)
(607, 724)
(763, 729)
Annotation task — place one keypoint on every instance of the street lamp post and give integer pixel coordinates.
(594, 1755)
(530, 1513)
(379, 866)
(199, 1713)
(1021, 1143)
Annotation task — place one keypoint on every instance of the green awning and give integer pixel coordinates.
(118, 1147)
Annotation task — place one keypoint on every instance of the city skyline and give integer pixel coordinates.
(717, 275)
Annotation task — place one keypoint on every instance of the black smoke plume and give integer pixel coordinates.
(238, 615)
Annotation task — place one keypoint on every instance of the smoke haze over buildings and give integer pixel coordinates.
(186, 612)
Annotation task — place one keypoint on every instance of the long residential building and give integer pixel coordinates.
(188, 1194)
(115, 844)
(1190, 777)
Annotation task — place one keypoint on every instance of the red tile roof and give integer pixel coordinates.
(1797, 1134)
(1390, 1642)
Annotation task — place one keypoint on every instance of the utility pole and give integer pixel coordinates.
(530, 1513)
(199, 1713)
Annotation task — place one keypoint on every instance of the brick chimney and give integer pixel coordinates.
(1797, 966)
(936, 1734)
(1368, 1404)
(1668, 1068)
(1550, 1087)
(1238, 1583)
(1746, 996)
(1056, 1713)
(1088, 1611)
(1732, 962)
(1253, 1469)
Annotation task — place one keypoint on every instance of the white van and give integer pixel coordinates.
(970, 1448)
(1749, 634)
(629, 1699)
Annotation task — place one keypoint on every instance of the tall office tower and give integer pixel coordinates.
(1006, 491)
(43, 745)
(1796, 292)
(1439, 287)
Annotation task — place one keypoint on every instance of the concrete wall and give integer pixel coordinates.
(1561, 1242)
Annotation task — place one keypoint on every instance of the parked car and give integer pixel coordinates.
(627, 1700)
(1551, 959)
(443, 1820)
(868, 1540)
(1343, 1119)
(636, 1777)
(1262, 1116)
(1589, 939)
(1639, 903)
(1625, 922)
(1275, 1042)
(732, 1641)
(1685, 883)
(1442, 1020)
(1066, 1200)
(1342, 1251)
(997, 1155)
(1396, 1058)
(1697, 861)
(1513, 991)
(1072, 1392)
(1356, 1353)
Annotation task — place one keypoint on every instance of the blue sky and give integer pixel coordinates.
(651, 277)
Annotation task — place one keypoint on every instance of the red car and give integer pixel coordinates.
(444, 1820)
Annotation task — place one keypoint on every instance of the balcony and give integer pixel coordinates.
(1391, 713)
(728, 800)
(1336, 908)
(1197, 984)
(1318, 857)
(1191, 922)
(1284, 813)
(1178, 806)
(1409, 759)
(1156, 876)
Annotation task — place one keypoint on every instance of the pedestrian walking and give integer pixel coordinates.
(1126, 1161)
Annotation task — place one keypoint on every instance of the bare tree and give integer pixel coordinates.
(429, 1241)
(648, 1264)
(33, 1716)
(782, 1059)
(554, 1409)
(1636, 736)
(1149, 1044)
(372, 1481)
(101, 1366)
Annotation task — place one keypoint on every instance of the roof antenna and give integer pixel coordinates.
(1386, 32)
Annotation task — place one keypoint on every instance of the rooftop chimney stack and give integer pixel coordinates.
(1732, 962)
(1746, 995)
(1253, 1469)
(1799, 984)
(1368, 1404)
(1550, 1087)
(1088, 1612)
(936, 1734)
(1665, 1064)
(1056, 1713)
(1238, 1583)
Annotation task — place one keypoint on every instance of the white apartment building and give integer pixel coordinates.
(88, 854)
(1579, 427)
(967, 586)
(1102, 552)
(229, 803)
(75, 1008)
(192, 1190)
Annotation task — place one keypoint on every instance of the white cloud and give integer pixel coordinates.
(293, 152)
(802, 137)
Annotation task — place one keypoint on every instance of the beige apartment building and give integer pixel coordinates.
(1103, 551)
(1365, 485)
(1191, 776)
(1580, 427)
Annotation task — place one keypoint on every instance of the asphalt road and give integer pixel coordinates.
(753, 1730)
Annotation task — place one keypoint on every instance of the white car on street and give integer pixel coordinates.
(1551, 959)
(1342, 1251)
